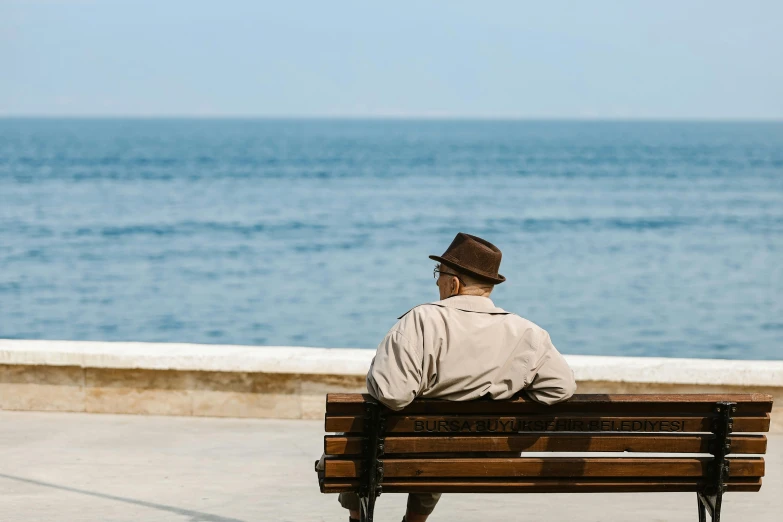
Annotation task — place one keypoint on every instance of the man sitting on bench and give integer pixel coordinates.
(463, 348)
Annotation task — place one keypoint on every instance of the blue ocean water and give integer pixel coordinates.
(639, 238)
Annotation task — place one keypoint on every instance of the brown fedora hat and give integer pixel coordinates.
(473, 255)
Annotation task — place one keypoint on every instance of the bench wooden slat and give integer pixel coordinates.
(540, 485)
(748, 404)
(546, 467)
(557, 442)
(504, 424)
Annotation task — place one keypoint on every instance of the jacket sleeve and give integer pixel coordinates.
(395, 373)
(551, 379)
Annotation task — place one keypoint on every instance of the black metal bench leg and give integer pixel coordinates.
(363, 509)
(702, 509)
(366, 509)
(716, 511)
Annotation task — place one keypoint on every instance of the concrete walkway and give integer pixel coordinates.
(74, 467)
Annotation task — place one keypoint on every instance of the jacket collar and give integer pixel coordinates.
(470, 303)
(467, 303)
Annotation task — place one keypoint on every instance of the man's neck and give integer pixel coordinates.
(475, 292)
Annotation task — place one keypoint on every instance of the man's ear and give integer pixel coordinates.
(454, 286)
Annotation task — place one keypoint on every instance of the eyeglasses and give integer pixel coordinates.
(436, 272)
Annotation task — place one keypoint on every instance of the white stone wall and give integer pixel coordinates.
(290, 382)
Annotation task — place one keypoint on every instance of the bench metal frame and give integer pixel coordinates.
(372, 455)
(711, 499)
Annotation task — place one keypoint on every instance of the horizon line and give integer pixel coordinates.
(391, 117)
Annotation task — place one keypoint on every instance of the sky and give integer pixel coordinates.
(596, 59)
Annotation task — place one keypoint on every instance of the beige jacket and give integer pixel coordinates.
(462, 348)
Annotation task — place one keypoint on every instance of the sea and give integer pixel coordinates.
(619, 238)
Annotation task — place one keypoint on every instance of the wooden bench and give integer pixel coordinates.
(443, 446)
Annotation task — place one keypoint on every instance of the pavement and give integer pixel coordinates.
(91, 467)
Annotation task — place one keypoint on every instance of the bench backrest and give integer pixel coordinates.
(676, 443)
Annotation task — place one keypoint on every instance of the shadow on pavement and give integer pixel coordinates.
(195, 516)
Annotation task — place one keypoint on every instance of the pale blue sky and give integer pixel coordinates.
(578, 59)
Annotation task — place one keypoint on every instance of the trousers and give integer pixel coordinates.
(421, 503)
